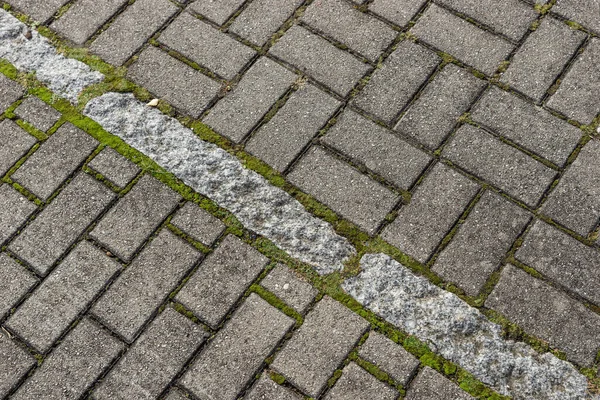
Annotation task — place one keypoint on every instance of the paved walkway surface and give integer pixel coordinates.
(459, 137)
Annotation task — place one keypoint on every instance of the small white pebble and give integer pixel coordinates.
(286, 286)
(153, 103)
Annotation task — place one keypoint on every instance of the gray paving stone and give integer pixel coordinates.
(583, 11)
(221, 280)
(63, 295)
(393, 85)
(434, 208)
(433, 115)
(280, 140)
(55, 160)
(378, 149)
(318, 348)
(10, 91)
(290, 287)
(198, 223)
(45, 239)
(37, 113)
(500, 164)
(578, 93)
(357, 384)
(431, 385)
(320, 59)
(206, 46)
(562, 259)
(399, 12)
(527, 125)
(14, 363)
(390, 357)
(462, 39)
(176, 394)
(262, 85)
(218, 11)
(14, 211)
(131, 29)
(481, 243)
(266, 389)
(547, 313)
(542, 58)
(16, 281)
(348, 192)
(73, 366)
(114, 167)
(129, 223)
(143, 286)
(15, 144)
(154, 360)
(39, 11)
(237, 352)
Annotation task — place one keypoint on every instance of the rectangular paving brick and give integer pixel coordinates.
(39, 10)
(63, 295)
(217, 11)
(262, 85)
(154, 360)
(114, 167)
(10, 91)
(320, 59)
(76, 363)
(431, 385)
(357, 384)
(198, 223)
(131, 29)
(390, 357)
(145, 284)
(14, 363)
(500, 164)
(129, 223)
(55, 160)
(399, 12)
(317, 349)
(14, 211)
(37, 113)
(393, 85)
(265, 388)
(461, 39)
(237, 352)
(15, 144)
(221, 280)
(434, 208)
(16, 282)
(290, 287)
(584, 12)
(348, 192)
(45, 239)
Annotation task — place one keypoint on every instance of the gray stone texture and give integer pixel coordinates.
(15, 144)
(431, 385)
(198, 224)
(262, 85)
(176, 394)
(145, 284)
(377, 149)
(358, 384)
(221, 280)
(237, 352)
(390, 357)
(434, 208)
(14, 211)
(399, 12)
(131, 29)
(584, 12)
(355, 196)
(266, 389)
(433, 115)
(127, 225)
(317, 349)
(45, 239)
(55, 160)
(393, 85)
(37, 113)
(39, 11)
(290, 287)
(16, 282)
(10, 91)
(320, 59)
(461, 39)
(14, 363)
(218, 11)
(114, 167)
(542, 57)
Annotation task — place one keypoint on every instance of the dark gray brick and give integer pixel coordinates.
(55, 160)
(143, 286)
(15, 144)
(14, 363)
(256, 93)
(348, 192)
(481, 243)
(218, 11)
(131, 29)
(358, 384)
(129, 223)
(14, 210)
(154, 360)
(37, 113)
(431, 385)
(399, 12)
(198, 223)
(311, 356)
(114, 167)
(378, 149)
(435, 206)
(390, 357)
(500, 164)
(290, 287)
(45, 239)
(39, 11)
(221, 280)
(63, 295)
(236, 353)
(266, 389)
(16, 281)
(10, 91)
(462, 39)
(583, 11)
(280, 140)
(397, 81)
(320, 59)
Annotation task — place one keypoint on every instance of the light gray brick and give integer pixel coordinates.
(348, 192)
(15, 283)
(262, 85)
(461, 39)
(399, 12)
(198, 223)
(390, 357)
(583, 11)
(14, 211)
(10, 91)
(45, 239)
(218, 11)
(431, 385)
(176, 394)
(290, 287)
(237, 352)
(15, 144)
(221, 280)
(266, 389)
(114, 167)
(317, 349)
(39, 11)
(14, 363)
(129, 223)
(358, 384)
(55, 160)
(320, 59)
(63, 295)
(435, 206)
(37, 113)
(145, 284)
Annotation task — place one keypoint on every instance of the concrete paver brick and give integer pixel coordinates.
(431, 385)
(358, 384)
(37, 113)
(39, 11)
(289, 287)
(15, 144)
(399, 12)
(217, 11)
(14, 363)
(176, 394)
(584, 12)
(390, 357)
(114, 167)
(14, 211)
(16, 281)
(10, 91)
(265, 389)
(198, 223)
